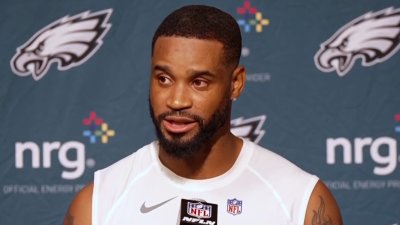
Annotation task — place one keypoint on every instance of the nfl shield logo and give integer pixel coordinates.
(234, 206)
(199, 210)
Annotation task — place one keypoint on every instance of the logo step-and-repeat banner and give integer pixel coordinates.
(322, 90)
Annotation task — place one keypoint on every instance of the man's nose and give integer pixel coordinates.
(179, 98)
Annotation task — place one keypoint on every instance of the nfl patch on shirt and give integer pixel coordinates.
(234, 206)
(198, 212)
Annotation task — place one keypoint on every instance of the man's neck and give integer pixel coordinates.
(209, 162)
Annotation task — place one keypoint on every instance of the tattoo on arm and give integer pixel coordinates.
(319, 217)
(69, 220)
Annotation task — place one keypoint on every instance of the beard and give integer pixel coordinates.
(180, 147)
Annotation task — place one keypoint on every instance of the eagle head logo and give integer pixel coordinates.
(250, 129)
(69, 41)
(373, 37)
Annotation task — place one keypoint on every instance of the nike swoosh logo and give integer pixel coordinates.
(147, 209)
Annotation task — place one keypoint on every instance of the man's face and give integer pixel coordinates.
(190, 91)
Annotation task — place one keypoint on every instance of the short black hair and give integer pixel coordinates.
(203, 22)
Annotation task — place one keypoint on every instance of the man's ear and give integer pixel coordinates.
(238, 80)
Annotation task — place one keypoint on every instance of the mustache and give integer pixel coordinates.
(185, 114)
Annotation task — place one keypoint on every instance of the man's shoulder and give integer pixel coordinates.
(286, 179)
(273, 165)
(134, 162)
(263, 156)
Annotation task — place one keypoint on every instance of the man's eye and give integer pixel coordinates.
(200, 83)
(164, 80)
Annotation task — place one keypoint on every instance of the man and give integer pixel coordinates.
(198, 172)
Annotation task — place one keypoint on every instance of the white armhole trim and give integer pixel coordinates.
(275, 193)
(95, 200)
(305, 200)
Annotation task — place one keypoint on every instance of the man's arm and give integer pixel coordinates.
(322, 208)
(80, 210)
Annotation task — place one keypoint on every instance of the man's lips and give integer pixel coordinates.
(178, 124)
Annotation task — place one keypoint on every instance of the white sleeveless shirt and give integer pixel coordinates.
(262, 188)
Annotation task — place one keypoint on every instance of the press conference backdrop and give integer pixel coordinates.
(323, 82)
